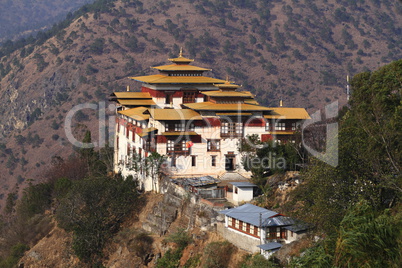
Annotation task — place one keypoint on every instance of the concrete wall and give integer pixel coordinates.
(239, 239)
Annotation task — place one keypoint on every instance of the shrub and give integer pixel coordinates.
(219, 254)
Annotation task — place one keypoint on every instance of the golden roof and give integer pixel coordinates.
(180, 133)
(180, 67)
(131, 95)
(181, 59)
(225, 106)
(147, 131)
(220, 93)
(131, 102)
(164, 79)
(174, 114)
(227, 85)
(251, 101)
(136, 113)
(282, 132)
(287, 113)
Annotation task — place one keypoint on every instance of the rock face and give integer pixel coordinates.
(179, 203)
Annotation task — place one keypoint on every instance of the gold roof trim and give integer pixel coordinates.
(131, 95)
(287, 113)
(179, 67)
(210, 106)
(219, 93)
(174, 114)
(147, 131)
(131, 102)
(164, 79)
(136, 113)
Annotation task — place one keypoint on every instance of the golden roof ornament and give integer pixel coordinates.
(180, 59)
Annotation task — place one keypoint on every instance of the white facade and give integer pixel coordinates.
(196, 122)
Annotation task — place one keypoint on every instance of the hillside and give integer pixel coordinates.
(298, 51)
(20, 18)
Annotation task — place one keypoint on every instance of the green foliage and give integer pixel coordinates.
(10, 203)
(219, 254)
(17, 252)
(315, 257)
(369, 239)
(257, 261)
(171, 259)
(93, 209)
(181, 238)
(97, 46)
(35, 199)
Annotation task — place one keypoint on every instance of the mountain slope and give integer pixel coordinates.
(24, 17)
(298, 51)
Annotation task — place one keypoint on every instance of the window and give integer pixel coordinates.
(189, 96)
(169, 98)
(267, 126)
(235, 190)
(237, 224)
(213, 161)
(179, 127)
(173, 163)
(251, 229)
(213, 145)
(127, 132)
(293, 126)
(193, 160)
(225, 127)
(231, 129)
(280, 126)
(133, 132)
(179, 147)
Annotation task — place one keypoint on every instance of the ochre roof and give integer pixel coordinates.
(251, 101)
(180, 67)
(174, 114)
(131, 95)
(220, 93)
(282, 132)
(147, 131)
(136, 113)
(225, 107)
(227, 85)
(164, 79)
(131, 102)
(181, 59)
(287, 113)
(180, 133)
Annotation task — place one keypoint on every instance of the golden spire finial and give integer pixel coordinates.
(280, 103)
(227, 82)
(181, 52)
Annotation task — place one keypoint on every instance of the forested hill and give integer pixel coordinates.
(298, 51)
(25, 17)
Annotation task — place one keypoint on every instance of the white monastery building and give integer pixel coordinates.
(195, 121)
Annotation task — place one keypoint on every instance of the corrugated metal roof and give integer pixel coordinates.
(136, 113)
(243, 184)
(250, 214)
(174, 114)
(297, 227)
(287, 113)
(180, 67)
(220, 93)
(270, 246)
(164, 79)
(202, 106)
(130, 102)
(131, 95)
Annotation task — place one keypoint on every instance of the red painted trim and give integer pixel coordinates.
(253, 235)
(196, 139)
(153, 92)
(161, 139)
(178, 94)
(266, 137)
(256, 122)
(210, 121)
